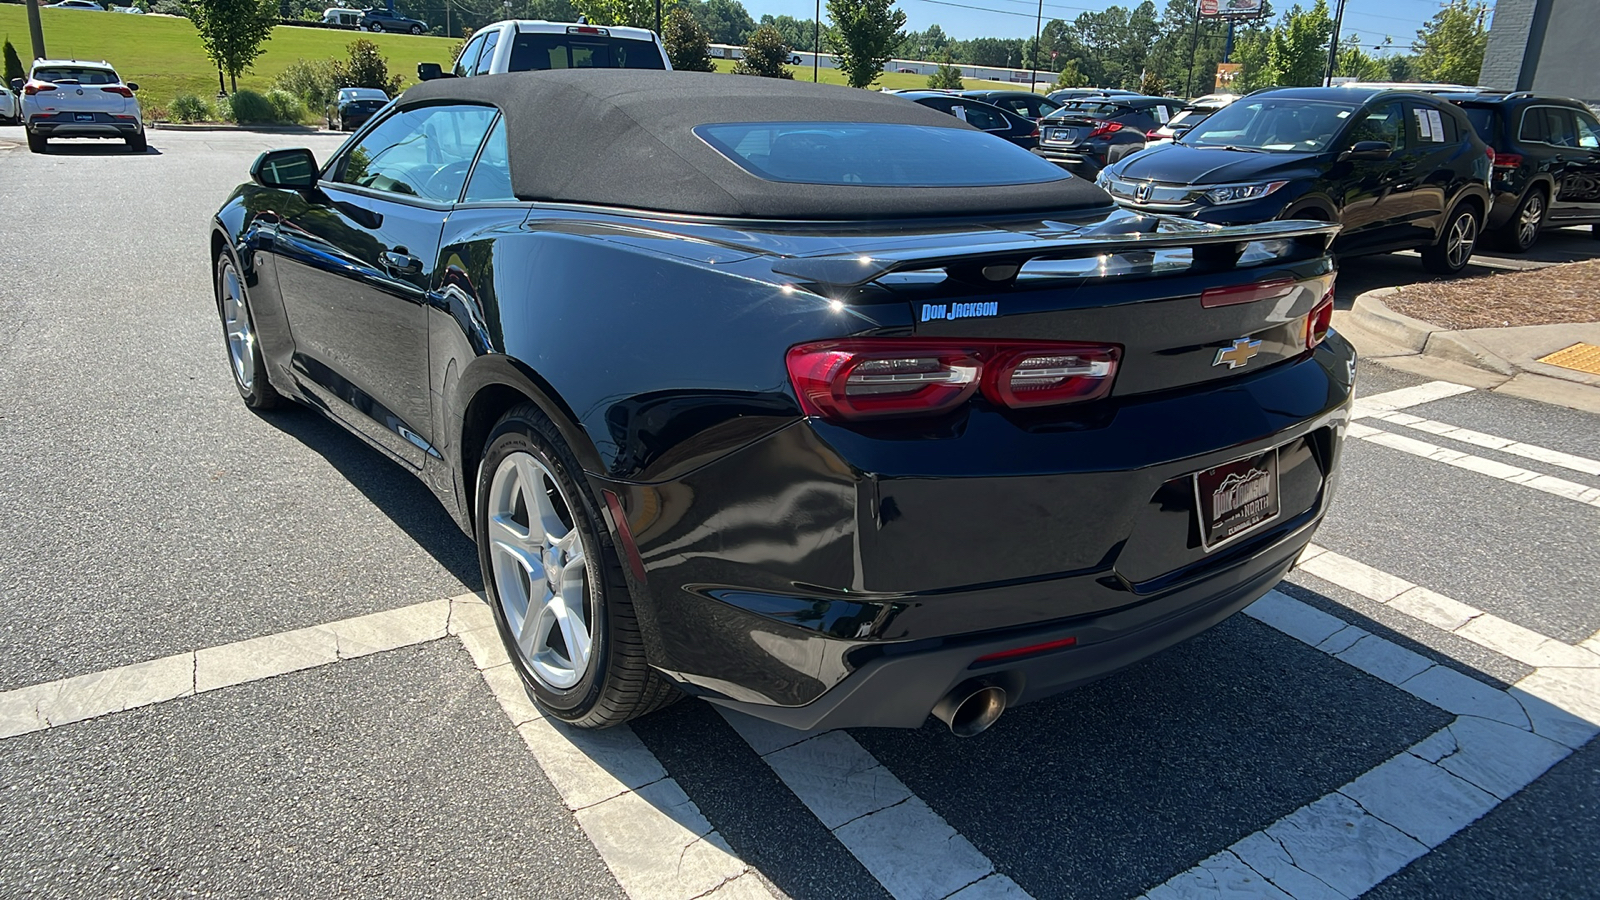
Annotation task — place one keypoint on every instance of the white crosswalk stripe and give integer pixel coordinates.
(1538, 481)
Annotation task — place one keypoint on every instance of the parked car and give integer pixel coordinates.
(73, 98)
(1023, 103)
(1019, 130)
(1397, 169)
(352, 107)
(1546, 163)
(380, 20)
(523, 46)
(89, 5)
(338, 15)
(10, 106)
(716, 371)
(1193, 113)
(1089, 134)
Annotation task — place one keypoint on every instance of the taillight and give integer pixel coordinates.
(1490, 151)
(1320, 321)
(1246, 293)
(1106, 128)
(1034, 132)
(1505, 160)
(37, 87)
(870, 378)
(1153, 134)
(119, 90)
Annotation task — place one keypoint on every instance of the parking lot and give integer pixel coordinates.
(242, 654)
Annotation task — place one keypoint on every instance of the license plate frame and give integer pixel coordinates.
(1064, 135)
(1252, 498)
(83, 117)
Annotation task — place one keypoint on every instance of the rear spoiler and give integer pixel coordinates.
(999, 261)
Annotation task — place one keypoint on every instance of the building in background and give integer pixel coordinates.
(1545, 46)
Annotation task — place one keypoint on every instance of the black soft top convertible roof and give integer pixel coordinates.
(619, 137)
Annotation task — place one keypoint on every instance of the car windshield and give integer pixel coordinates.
(876, 154)
(1273, 124)
(1090, 110)
(538, 51)
(75, 75)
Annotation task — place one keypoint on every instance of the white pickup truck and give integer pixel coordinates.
(524, 45)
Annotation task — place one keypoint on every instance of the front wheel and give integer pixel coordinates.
(1453, 250)
(238, 328)
(555, 581)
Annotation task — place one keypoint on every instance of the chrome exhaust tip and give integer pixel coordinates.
(971, 708)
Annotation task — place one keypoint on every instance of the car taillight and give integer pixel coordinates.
(1246, 293)
(37, 87)
(119, 90)
(1320, 321)
(1106, 128)
(1153, 134)
(870, 378)
(1034, 132)
(1505, 160)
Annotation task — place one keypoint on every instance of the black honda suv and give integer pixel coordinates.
(1399, 170)
(1546, 163)
(1084, 136)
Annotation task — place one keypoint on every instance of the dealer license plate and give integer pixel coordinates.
(1235, 499)
(83, 117)
(1064, 135)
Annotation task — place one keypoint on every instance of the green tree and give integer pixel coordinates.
(1071, 76)
(796, 33)
(637, 13)
(1253, 53)
(686, 42)
(1357, 63)
(1400, 67)
(367, 67)
(1151, 85)
(765, 55)
(947, 77)
(232, 31)
(12, 63)
(725, 21)
(1299, 49)
(863, 38)
(1450, 47)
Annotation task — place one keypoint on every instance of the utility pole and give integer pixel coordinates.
(1333, 45)
(1038, 29)
(816, 43)
(1194, 45)
(35, 30)
(658, 16)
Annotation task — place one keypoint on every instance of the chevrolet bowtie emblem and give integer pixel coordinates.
(1242, 351)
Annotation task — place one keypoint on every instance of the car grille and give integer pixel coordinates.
(1149, 193)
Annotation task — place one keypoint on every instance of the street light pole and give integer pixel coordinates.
(35, 30)
(816, 43)
(1333, 45)
(1038, 29)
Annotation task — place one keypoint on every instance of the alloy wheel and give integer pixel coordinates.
(236, 322)
(1528, 222)
(1463, 235)
(540, 571)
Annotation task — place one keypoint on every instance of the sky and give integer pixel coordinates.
(1372, 20)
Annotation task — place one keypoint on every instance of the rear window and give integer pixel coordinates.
(534, 52)
(75, 75)
(1091, 110)
(876, 154)
(1482, 119)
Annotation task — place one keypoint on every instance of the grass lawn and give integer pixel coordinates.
(163, 54)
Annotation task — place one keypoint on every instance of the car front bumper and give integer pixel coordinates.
(823, 577)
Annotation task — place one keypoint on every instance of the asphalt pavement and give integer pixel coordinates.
(1383, 724)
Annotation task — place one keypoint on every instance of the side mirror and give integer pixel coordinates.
(16, 85)
(1367, 150)
(133, 86)
(429, 71)
(294, 169)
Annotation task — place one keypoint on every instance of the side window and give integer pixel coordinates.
(468, 60)
(486, 58)
(1430, 125)
(1588, 132)
(491, 177)
(1561, 127)
(1533, 126)
(1382, 123)
(422, 152)
(983, 119)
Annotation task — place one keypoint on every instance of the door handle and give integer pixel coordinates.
(401, 263)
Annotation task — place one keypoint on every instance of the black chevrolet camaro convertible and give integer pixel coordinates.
(810, 401)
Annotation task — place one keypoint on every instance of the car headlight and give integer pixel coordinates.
(1238, 193)
(1103, 181)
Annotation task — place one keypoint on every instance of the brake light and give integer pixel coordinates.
(586, 29)
(1106, 128)
(1034, 132)
(1505, 160)
(1320, 321)
(119, 90)
(1026, 651)
(1490, 152)
(37, 87)
(1246, 293)
(870, 378)
(1153, 134)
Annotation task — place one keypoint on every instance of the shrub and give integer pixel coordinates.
(367, 67)
(947, 76)
(248, 108)
(286, 107)
(189, 108)
(314, 81)
(686, 42)
(766, 55)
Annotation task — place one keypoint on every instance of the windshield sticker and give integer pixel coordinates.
(948, 311)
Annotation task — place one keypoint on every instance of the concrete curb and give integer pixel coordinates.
(261, 129)
(1370, 313)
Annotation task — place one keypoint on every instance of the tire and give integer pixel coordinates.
(1119, 152)
(375, 28)
(416, 29)
(137, 144)
(244, 351)
(1453, 249)
(1522, 230)
(37, 143)
(528, 472)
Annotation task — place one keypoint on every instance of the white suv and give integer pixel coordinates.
(522, 46)
(73, 98)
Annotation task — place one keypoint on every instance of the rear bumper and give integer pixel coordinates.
(1082, 158)
(65, 125)
(825, 576)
